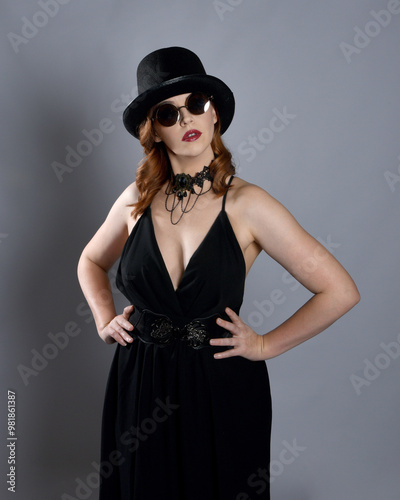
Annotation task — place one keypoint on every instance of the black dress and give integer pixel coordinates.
(177, 423)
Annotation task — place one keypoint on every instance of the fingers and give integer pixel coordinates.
(225, 342)
(118, 328)
(128, 310)
(122, 326)
(233, 316)
(119, 332)
(232, 327)
(244, 341)
(235, 326)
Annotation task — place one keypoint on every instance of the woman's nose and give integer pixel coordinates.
(185, 115)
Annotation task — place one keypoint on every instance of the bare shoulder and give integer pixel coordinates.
(129, 196)
(252, 201)
(243, 190)
(122, 208)
(264, 217)
(106, 245)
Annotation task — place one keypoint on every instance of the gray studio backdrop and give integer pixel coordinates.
(317, 125)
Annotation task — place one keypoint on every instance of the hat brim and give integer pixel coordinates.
(223, 99)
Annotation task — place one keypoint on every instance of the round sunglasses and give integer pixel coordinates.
(196, 103)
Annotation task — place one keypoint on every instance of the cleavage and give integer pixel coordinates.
(179, 244)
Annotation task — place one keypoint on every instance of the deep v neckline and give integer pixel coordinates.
(192, 258)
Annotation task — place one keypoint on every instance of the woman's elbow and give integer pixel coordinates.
(349, 297)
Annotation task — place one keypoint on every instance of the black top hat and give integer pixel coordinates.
(173, 71)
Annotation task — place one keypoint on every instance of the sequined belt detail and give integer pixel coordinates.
(158, 329)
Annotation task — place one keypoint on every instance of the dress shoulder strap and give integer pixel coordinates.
(224, 199)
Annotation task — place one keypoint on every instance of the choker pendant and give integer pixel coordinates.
(181, 188)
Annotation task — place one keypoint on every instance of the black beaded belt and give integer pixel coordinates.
(153, 328)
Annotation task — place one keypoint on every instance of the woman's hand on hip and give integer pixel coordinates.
(245, 341)
(116, 329)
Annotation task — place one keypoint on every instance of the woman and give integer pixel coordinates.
(187, 412)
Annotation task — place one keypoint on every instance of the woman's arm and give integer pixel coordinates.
(276, 231)
(96, 260)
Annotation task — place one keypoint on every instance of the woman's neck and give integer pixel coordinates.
(189, 165)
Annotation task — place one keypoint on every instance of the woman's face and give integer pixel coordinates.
(191, 135)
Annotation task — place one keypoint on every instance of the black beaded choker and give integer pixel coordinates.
(179, 187)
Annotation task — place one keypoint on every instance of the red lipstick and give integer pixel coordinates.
(191, 135)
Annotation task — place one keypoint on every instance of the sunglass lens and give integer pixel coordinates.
(198, 103)
(167, 115)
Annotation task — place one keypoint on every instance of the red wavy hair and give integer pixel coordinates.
(154, 170)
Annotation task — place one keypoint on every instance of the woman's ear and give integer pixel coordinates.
(157, 138)
(214, 114)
